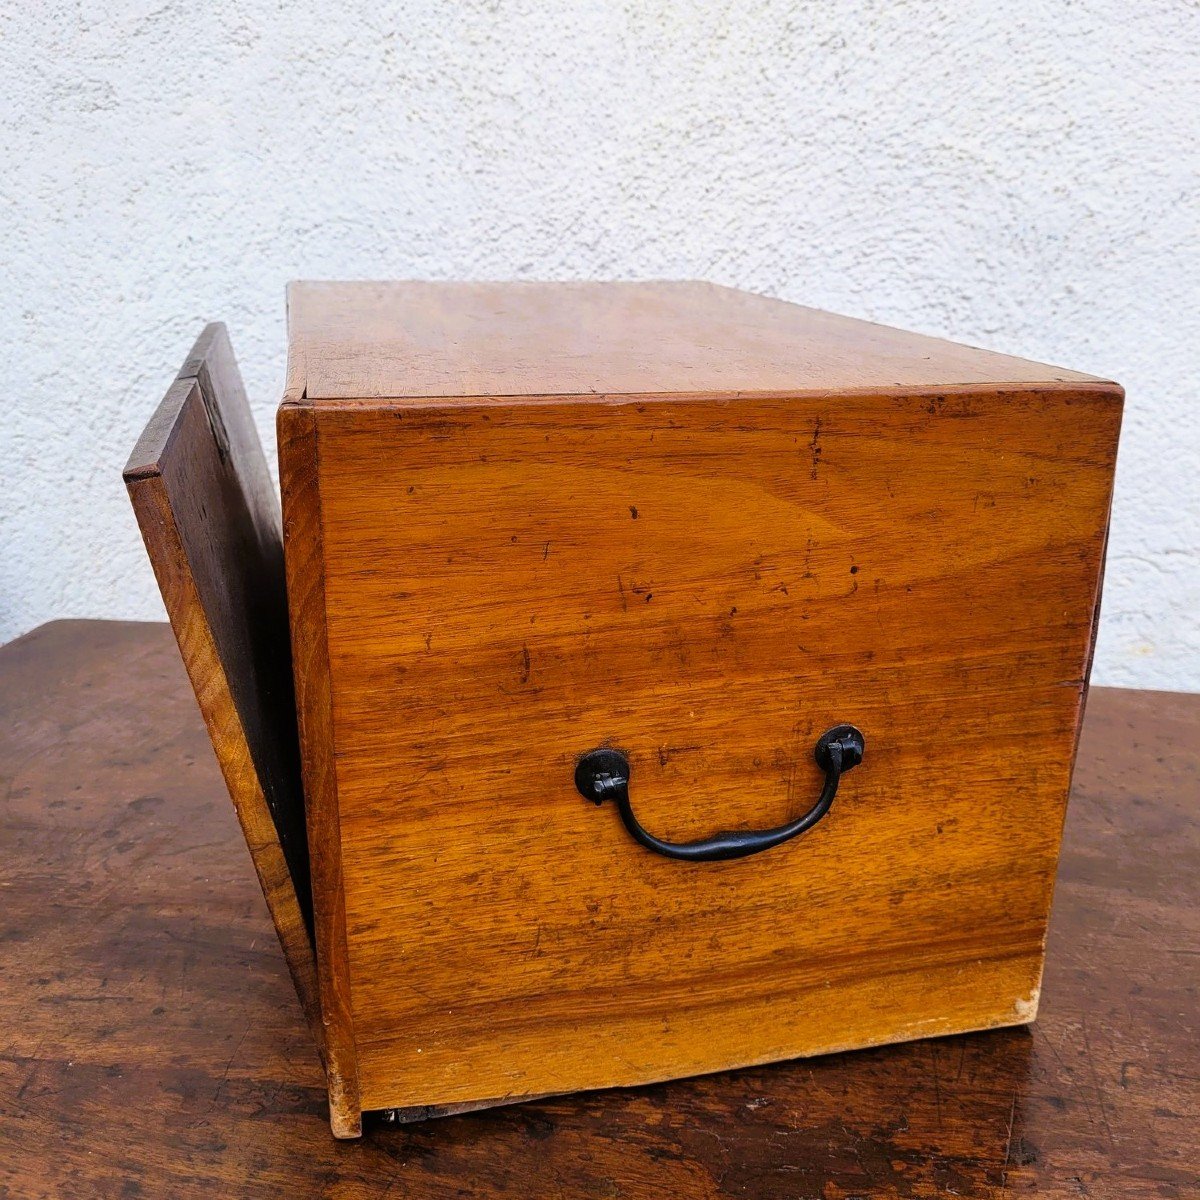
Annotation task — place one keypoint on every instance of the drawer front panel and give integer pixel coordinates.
(707, 586)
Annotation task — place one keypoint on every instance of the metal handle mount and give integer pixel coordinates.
(603, 774)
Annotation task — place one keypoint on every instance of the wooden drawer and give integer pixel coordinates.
(523, 522)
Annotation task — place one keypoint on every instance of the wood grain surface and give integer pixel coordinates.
(150, 1044)
(707, 583)
(299, 461)
(209, 515)
(416, 339)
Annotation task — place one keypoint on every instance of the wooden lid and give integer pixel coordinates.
(406, 340)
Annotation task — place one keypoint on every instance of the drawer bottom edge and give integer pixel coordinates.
(929, 1003)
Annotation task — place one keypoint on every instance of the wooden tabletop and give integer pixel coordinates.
(151, 1043)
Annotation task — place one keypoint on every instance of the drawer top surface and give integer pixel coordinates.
(420, 340)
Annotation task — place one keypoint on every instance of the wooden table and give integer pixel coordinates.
(151, 1043)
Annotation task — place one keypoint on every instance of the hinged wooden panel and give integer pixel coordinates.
(209, 516)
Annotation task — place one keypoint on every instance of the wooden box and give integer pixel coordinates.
(691, 529)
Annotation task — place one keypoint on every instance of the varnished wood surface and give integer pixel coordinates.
(210, 519)
(299, 460)
(416, 339)
(707, 584)
(150, 1043)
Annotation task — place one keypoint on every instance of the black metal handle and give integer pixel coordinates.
(604, 774)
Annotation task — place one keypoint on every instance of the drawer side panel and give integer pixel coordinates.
(707, 584)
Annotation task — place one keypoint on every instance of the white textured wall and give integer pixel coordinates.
(1022, 176)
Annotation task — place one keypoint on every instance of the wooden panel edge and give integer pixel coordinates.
(1096, 389)
(304, 553)
(164, 546)
(947, 979)
(297, 369)
(1097, 594)
(432, 1112)
(1085, 682)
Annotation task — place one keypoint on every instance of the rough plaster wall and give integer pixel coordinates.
(1021, 176)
